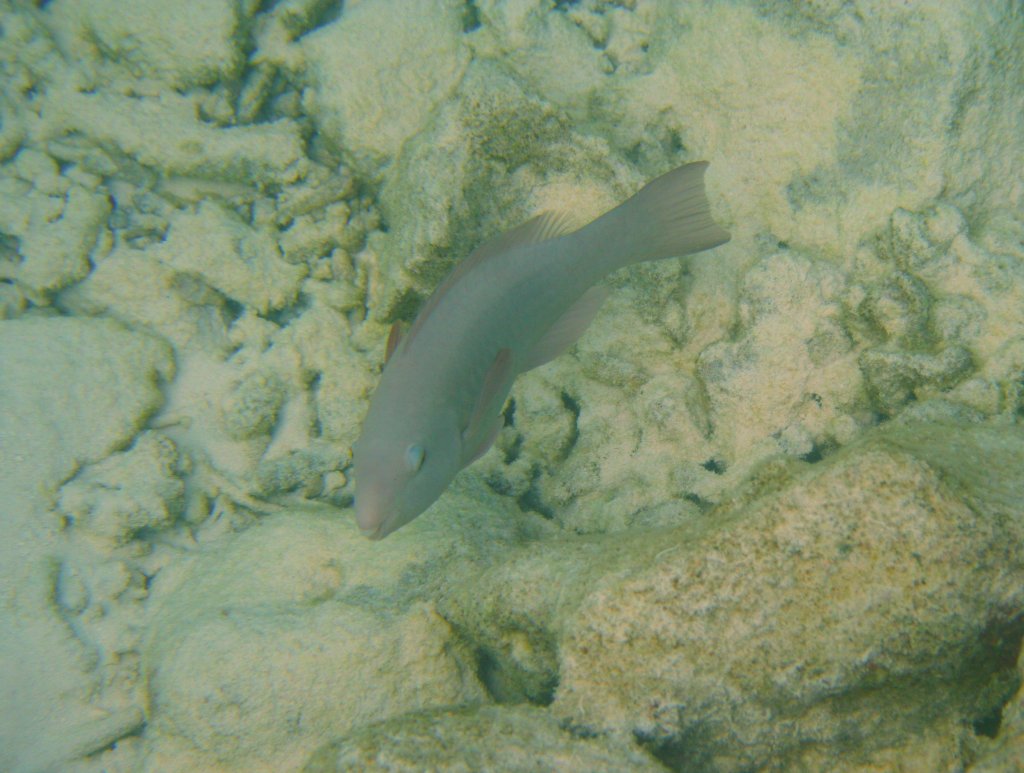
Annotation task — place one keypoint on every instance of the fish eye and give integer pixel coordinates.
(414, 456)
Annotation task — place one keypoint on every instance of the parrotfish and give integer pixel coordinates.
(518, 301)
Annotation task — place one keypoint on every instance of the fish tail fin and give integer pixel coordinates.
(668, 217)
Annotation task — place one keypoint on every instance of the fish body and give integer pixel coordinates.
(517, 302)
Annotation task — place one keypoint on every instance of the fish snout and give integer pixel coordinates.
(372, 512)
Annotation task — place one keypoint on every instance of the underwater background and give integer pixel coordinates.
(767, 514)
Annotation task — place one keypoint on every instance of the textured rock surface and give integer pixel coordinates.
(1004, 752)
(260, 686)
(188, 147)
(49, 427)
(854, 607)
(845, 606)
(128, 492)
(191, 43)
(374, 86)
(259, 190)
(514, 739)
(249, 270)
(256, 669)
(55, 220)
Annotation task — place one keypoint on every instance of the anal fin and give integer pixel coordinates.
(485, 420)
(487, 440)
(568, 328)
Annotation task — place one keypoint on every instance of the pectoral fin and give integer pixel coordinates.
(485, 421)
(394, 339)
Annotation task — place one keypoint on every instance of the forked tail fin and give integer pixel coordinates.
(668, 217)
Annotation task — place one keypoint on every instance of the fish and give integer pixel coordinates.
(516, 302)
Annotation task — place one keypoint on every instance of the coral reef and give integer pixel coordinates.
(765, 514)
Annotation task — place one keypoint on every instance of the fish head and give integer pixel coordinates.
(400, 472)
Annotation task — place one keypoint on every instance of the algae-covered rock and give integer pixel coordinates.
(894, 378)
(848, 605)
(179, 169)
(269, 643)
(72, 391)
(90, 394)
(260, 687)
(512, 739)
(253, 405)
(188, 43)
(1005, 752)
(974, 274)
(248, 267)
(789, 373)
(53, 222)
(165, 134)
(374, 86)
(864, 601)
(135, 289)
(322, 340)
(141, 488)
(553, 53)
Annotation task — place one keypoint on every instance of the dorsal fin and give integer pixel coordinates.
(545, 226)
(394, 339)
(567, 329)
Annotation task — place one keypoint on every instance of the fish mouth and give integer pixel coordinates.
(369, 520)
(382, 529)
(373, 532)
